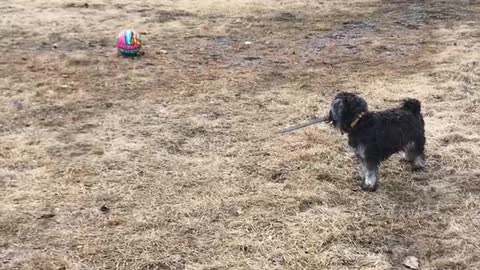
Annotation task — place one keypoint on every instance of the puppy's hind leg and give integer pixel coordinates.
(419, 163)
(414, 155)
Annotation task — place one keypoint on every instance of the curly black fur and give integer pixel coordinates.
(378, 135)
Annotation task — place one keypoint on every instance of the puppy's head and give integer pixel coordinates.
(344, 109)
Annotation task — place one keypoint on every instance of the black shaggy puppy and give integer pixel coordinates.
(375, 136)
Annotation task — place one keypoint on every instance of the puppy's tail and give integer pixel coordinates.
(412, 105)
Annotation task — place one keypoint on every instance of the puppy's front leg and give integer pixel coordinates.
(370, 182)
(359, 151)
(363, 169)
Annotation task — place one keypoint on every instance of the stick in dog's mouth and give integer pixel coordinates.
(313, 121)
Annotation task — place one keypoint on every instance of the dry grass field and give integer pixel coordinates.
(167, 161)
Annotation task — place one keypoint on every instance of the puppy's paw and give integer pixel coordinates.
(418, 169)
(369, 188)
(419, 164)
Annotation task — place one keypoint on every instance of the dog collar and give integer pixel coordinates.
(355, 122)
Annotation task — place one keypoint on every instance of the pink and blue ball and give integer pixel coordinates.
(128, 43)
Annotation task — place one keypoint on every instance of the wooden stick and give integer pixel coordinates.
(313, 121)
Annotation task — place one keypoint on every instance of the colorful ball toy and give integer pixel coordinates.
(128, 43)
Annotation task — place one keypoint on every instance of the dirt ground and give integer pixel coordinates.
(167, 161)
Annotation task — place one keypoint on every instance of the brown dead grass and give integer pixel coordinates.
(161, 162)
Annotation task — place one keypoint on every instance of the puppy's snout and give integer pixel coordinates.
(329, 118)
